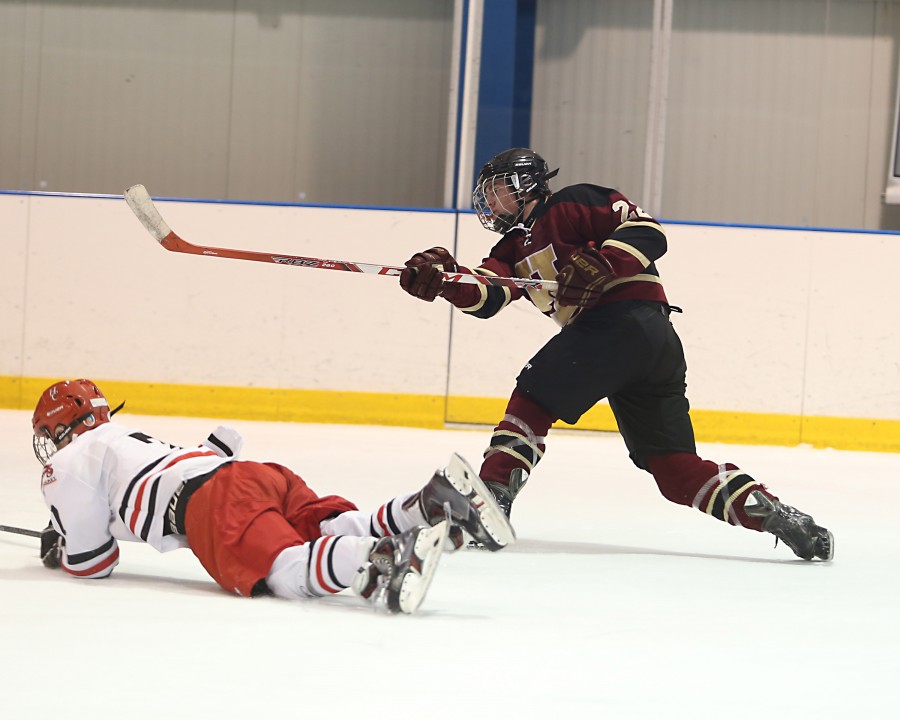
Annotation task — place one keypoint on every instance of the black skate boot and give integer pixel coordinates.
(795, 529)
(401, 567)
(505, 494)
(458, 494)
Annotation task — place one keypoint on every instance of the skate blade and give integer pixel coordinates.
(829, 546)
(466, 481)
(428, 548)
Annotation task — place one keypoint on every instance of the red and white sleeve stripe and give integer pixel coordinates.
(98, 563)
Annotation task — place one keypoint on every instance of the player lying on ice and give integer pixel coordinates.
(256, 528)
(616, 341)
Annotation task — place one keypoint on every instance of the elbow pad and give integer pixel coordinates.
(225, 442)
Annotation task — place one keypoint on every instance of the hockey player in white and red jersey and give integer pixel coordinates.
(257, 528)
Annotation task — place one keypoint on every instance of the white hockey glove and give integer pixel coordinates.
(225, 442)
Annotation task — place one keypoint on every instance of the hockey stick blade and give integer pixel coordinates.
(142, 206)
(20, 531)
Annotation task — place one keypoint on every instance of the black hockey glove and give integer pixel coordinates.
(582, 281)
(51, 547)
(422, 277)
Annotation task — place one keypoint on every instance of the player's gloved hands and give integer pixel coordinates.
(51, 547)
(422, 277)
(225, 442)
(581, 282)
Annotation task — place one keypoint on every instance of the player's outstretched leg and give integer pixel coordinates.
(795, 529)
(401, 567)
(457, 493)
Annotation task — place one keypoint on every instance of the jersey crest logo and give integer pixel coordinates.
(47, 477)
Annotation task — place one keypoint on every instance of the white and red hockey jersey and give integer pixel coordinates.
(114, 483)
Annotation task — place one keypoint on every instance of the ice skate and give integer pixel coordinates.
(505, 494)
(457, 493)
(795, 529)
(401, 567)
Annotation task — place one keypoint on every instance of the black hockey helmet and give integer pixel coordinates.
(506, 182)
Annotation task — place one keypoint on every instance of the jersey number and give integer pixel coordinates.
(149, 440)
(627, 212)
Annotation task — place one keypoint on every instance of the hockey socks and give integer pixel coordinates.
(396, 516)
(322, 567)
(392, 518)
(519, 440)
(717, 490)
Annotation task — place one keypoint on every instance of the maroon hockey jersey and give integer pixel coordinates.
(627, 237)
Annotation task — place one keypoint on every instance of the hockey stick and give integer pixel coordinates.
(20, 531)
(142, 206)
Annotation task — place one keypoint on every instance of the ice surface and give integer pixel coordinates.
(613, 604)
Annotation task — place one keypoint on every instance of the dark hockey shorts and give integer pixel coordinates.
(629, 353)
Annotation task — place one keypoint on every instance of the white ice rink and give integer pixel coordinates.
(613, 604)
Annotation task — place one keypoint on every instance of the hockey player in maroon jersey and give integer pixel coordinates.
(257, 528)
(615, 342)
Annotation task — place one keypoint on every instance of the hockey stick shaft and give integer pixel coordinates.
(142, 206)
(20, 531)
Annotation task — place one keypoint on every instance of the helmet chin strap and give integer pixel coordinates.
(528, 221)
(77, 423)
(69, 433)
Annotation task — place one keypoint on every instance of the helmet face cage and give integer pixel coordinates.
(63, 408)
(503, 192)
(44, 448)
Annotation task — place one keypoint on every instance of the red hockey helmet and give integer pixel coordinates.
(64, 411)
